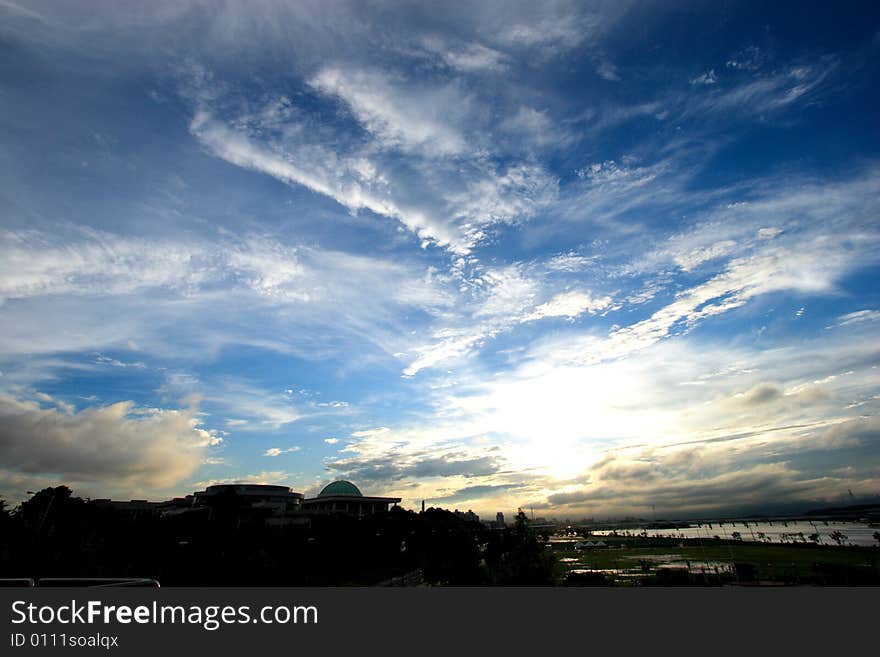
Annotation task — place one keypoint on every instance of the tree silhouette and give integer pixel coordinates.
(5, 521)
(44, 506)
(524, 560)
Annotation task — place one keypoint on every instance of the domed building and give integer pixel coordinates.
(340, 488)
(344, 497)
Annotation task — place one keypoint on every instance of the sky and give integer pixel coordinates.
(588, 259)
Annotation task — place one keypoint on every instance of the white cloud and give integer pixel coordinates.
(370, 433)
(708, 77)
(570, 262)
(261, 409)
(21, 11)
(504, 197)
(496, 300)
(553, 28)
(468, 58)
(272, 270)
(452, 216)
(770, 92)
(858, 317)
(277, 451)
(607, 70)
(325, 278)
(610, 189)
(750, 58)
(36, 263)
(39, 264)
(690, 261)
(535, 128)
(569, 304)
(121, 447)
(323, 174)
(808, 246)
(239, 289)
(504, 292)
(272, 477)
(420, 121)
(756, 408)
(743, 279)
(500, 297)
(768, 233)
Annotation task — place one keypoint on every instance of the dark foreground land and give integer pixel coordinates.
(56, 535)
(671, 562)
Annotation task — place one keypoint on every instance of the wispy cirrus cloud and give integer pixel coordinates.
(500, 299)
(570, 305)
(97, 281)
(405, 119)
(858, 317)
(467, 57)
(38, 263)
(773, 91)
(462, 191)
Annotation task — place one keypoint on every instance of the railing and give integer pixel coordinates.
(78, 582)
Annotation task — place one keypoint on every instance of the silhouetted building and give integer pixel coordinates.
(276, 500)
(468, 515)
(345, 497)
(176, 505)
(132, 507)
(277, 505)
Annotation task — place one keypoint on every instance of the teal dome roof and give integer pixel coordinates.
(340, 488)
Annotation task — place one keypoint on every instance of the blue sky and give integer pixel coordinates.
(585, 258)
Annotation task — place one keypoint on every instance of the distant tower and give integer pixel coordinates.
(499, 519)
(423, 506)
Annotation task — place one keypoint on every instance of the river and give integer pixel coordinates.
(768, 531)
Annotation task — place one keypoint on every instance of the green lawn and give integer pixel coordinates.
(773, 562)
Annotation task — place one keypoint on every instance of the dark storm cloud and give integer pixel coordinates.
(802, 468)
(761, 394)
(419, 465)
(473, 492)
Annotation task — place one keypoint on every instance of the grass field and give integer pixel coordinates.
(643, 560)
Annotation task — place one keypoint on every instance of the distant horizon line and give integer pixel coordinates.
(868, 503)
